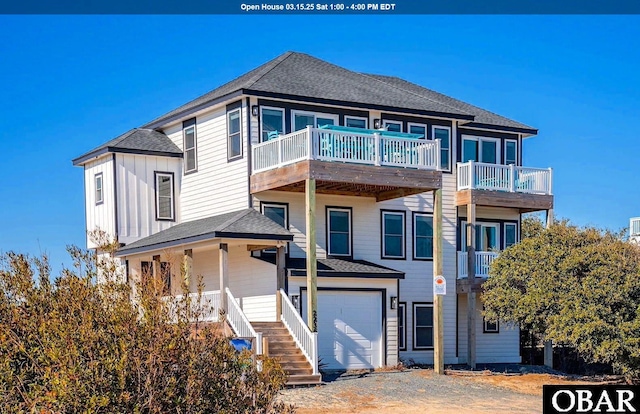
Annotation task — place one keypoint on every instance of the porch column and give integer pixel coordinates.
(438, 340)
(312, 265)
(156, 272)
(548, 344)
(471, 276)
(280, 272)
(187, 268)
(224, 274)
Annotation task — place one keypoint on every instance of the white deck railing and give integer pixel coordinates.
(306, 340)
(634, 226)
(348, 147)
(240, 324)
(204, 307)
(483, 264)
(483, 176)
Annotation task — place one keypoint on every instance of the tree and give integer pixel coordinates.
(72, 345)
(575, 286)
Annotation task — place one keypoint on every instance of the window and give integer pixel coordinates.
(355, 122)
(480, 149)
(444, 135)
(402, 328)
(487, 237)
(278, 213)
(165, 272)
(301, 120)
(393, 235)
(422, 326)
(164, 196)
(234, 134)
(393, 126)
(190, 147)
(510, 152)
(146, 269)
(490, 327)
(422, 236)
(418, 129)
(510, 234)
(99, 190)
(272, 122)
(339, 231)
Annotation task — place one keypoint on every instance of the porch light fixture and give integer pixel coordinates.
(394, 302)
(295, 301)
(254, 110)
(376, 123)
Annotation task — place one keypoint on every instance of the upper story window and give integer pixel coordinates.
(480, 149)
(278, 213)
(510, 152)
(301, 119)
(338, 231)
(420, 129)
(393, 126)
(422, 236)
(234, 135)
(272, 121)
(190, 146)
(487, 237)
(355, 122)
(510, 234)
(444, 135)
(99, 194)
(393, 239)
(165, 206)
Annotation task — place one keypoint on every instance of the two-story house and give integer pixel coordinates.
(302, 185)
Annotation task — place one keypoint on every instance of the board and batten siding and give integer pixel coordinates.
(218, 186)
(99, 216)
(137, 194)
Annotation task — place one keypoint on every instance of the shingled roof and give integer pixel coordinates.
(137, 140)
(243, 224)
(297, 266)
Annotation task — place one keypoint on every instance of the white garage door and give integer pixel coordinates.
(349, 329)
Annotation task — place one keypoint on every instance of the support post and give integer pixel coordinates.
(549, 217)
(471, 276)
(280, 271)
(312, 265)
(438, 337)
(156, 273)
(548, 344)
(224, 275)
(187, 268)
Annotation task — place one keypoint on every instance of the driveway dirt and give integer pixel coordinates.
(421, 391)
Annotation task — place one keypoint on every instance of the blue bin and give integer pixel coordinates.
(240, 344)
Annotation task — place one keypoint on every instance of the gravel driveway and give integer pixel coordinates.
(409, 391)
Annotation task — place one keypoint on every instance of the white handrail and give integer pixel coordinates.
(206, 306)
(306, 340)
(240, 324)
(509, 178)
(483, 264)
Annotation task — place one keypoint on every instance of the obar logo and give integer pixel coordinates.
(590, 399)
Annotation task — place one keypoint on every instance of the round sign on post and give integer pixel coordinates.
(439, 285)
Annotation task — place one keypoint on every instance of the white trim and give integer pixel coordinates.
(315, 115)
(157, 188)
(449, 150)
(366, 120)
(273, 108)
(415, 235)
(479, 140)
(505, 150)
(425, 126)
(98, 200)
(415, 325)
(229, 134)
(386, 122)
(348, 211)
(517, 238)
(403, 254)
(194, 148)
(487, 330)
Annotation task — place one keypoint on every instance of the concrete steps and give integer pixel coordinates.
(281, 346)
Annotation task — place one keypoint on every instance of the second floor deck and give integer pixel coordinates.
(347, 162)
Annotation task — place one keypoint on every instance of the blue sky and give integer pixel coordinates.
(70, 83)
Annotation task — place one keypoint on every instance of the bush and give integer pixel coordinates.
(72, 345)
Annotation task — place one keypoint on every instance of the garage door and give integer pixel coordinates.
(349, 329)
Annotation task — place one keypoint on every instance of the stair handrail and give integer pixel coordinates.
(306, 340)
(240, 324)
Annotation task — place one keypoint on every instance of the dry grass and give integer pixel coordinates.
(528, 383)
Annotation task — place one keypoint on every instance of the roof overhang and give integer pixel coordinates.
(81, 160)
(527, 131)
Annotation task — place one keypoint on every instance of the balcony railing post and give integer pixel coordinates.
(472, 184)
(438, 156)
(279, 151)
(376, 149)
(309, 142)
(512, 178)
(550, 180)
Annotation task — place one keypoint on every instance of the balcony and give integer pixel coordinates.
(528, 189)
(483, 264)
(347, 161)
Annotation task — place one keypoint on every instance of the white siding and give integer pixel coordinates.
(137, 197)
(101, 215)
(218, 186)
(501, 347)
